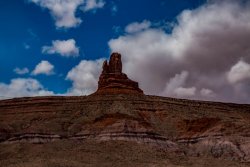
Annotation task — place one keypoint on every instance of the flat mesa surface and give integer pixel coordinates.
(122, 130)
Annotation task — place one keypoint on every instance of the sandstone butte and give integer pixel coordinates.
(119, 125)
(113, 81)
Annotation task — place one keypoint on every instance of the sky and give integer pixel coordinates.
(192, 49)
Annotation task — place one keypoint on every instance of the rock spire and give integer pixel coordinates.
(113, 81)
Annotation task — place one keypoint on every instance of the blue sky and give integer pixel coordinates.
(51, 47)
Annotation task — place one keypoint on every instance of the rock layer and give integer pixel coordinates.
(113, 81)
(183, 128)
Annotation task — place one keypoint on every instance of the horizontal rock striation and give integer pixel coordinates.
(217, 146)
(182, 127)
(138, 137)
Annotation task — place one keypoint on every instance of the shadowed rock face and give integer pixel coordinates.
(113, 81)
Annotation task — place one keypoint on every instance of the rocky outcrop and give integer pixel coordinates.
(113, 81)
(222, 147)
(184, 128)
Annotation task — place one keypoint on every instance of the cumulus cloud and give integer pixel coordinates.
(175, 86)
(20, 87)
(93, 4)
(66, 48)
(207, 92)
(137, 26)
(176, 82)
(44, 67)
(206, 42)
(21, 71)
(63, 11)
(239, 72)
(185, 92)
(84, 77)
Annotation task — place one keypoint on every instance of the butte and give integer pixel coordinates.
(113, 81)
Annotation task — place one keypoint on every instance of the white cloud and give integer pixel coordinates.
(21, 71)
(185, 92)
(63, 11)
(207, 92)
(136, 26)
(66, 48)
(20, 87)
(93, 5)
(239, 72)
(177, 81)
(84, 77)
(44, 67)
(175, 87)
(206, 42)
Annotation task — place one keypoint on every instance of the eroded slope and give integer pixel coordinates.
(183, 128)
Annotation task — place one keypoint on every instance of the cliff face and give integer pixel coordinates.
(185, 129)
(119, 125)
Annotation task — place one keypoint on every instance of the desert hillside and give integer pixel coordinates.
(123, 130)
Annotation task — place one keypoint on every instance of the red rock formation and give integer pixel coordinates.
(113, 81)
(185, 129)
